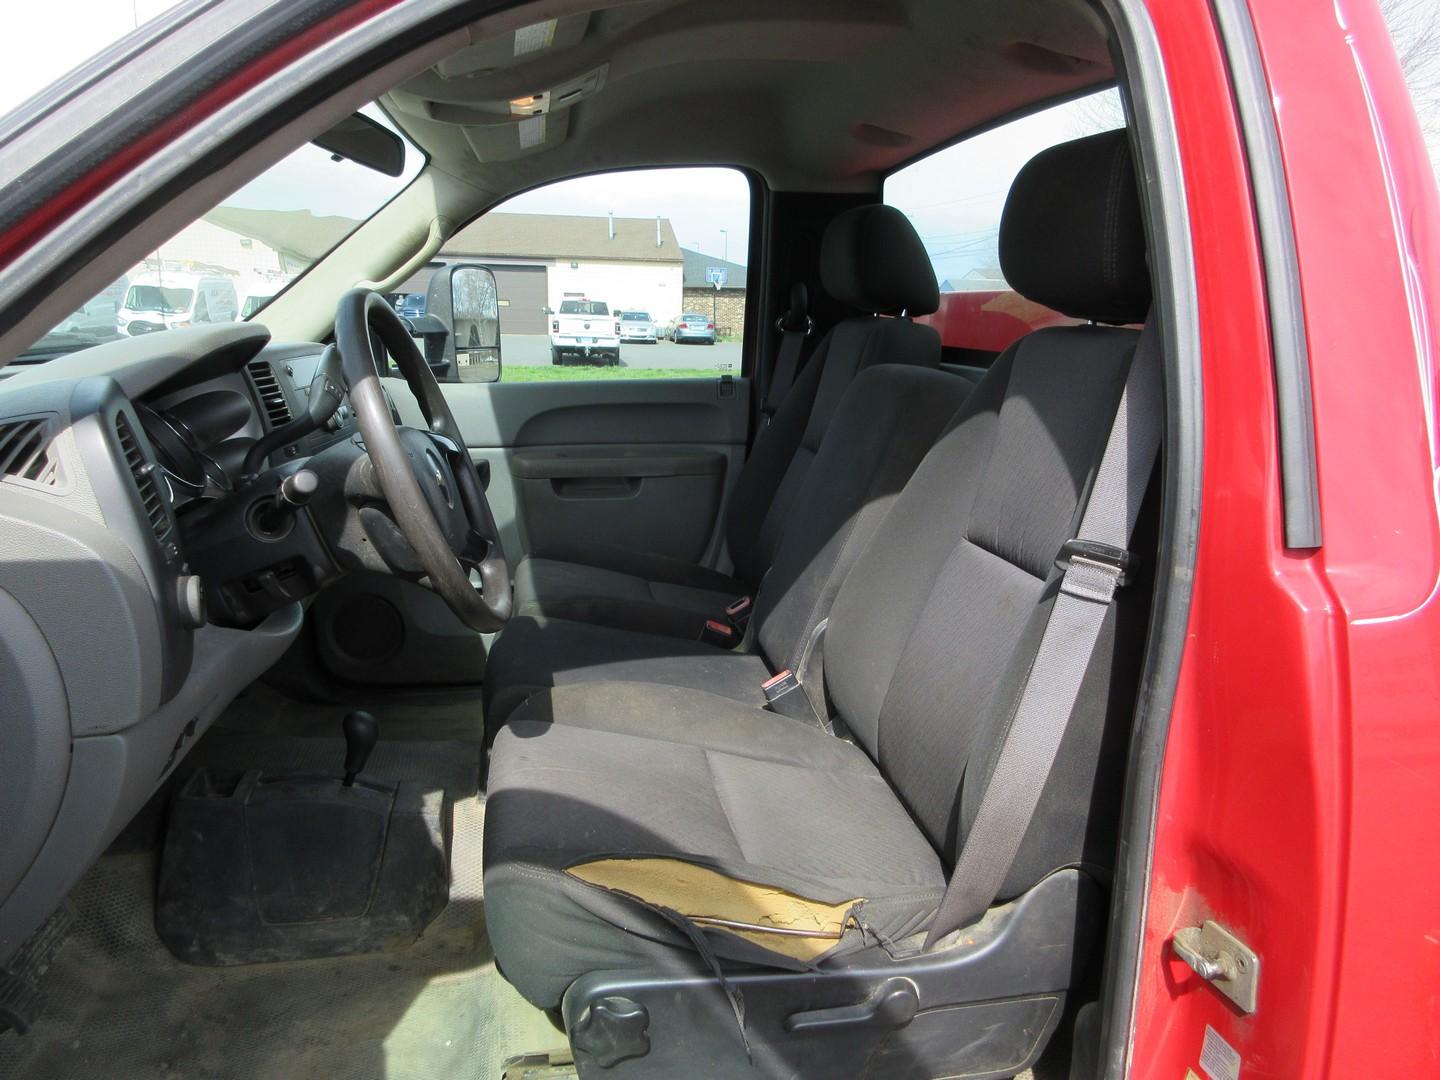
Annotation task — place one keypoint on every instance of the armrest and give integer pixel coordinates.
(574, 463)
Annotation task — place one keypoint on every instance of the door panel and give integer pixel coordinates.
(645, 464)
(640, 464)
(655, 499)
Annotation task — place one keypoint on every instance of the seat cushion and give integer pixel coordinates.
(627, 590)
(599, 775)
(537, 653)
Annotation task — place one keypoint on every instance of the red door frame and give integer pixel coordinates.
(1301, 789)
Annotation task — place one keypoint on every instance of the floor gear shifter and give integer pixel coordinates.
(361, 731)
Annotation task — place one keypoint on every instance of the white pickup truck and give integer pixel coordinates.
(585, 328)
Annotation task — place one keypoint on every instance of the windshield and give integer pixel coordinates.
(157, 298)
(584, 307)
(229, 263)
(636, 316)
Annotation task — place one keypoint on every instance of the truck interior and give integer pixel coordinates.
(780, 723)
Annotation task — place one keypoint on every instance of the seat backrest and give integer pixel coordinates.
(936, 625)
(872, 260)
(888, 420)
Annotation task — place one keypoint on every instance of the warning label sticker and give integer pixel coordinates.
(1219, 1059)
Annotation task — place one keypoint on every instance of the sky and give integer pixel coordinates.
(709, 208)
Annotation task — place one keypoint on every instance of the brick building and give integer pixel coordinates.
(726, 304)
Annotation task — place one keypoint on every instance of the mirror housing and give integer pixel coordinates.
(464, 298)
(359, 139)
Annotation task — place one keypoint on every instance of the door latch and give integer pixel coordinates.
(1222, 960)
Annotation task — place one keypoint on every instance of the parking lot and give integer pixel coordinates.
(533, 350)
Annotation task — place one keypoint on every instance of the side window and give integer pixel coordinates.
(954, 198)
(627, 275)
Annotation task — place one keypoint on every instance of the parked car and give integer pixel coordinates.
(637, 326)
(583, 329)
(173, 299)
(693, 327)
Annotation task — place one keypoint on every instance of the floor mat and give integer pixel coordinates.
(121, 1006)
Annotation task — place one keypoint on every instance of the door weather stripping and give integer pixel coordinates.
(1222, 960)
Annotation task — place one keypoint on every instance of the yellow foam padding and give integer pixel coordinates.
(773, 918)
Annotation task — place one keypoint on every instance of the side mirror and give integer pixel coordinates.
(466, 302)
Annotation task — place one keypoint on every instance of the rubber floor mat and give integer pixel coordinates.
(120, 1006)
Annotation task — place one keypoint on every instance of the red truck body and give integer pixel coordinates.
(1300, 793)
(1299, 796)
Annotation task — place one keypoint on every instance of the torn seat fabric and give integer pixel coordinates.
(616, 771)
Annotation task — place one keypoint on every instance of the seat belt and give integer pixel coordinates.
(1094, 564)
(795, 325)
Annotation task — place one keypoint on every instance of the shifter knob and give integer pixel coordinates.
(361, 731)
(296, 489)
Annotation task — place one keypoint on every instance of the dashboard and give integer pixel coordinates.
(113, 462)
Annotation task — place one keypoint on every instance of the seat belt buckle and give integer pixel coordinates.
(784, 695)
(715, 632)
(739, 611)
(1094, 551)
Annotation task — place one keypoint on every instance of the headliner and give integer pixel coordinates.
(821, 95)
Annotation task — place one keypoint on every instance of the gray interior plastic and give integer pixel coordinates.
(35, 732)
(111, 775)
(686, 436)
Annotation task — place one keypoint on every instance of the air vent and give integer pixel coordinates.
(272, 398)
(144, 474)
(26, 453)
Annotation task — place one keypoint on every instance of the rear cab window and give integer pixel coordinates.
(954, 198)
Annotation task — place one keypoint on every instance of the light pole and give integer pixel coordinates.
(726, 234)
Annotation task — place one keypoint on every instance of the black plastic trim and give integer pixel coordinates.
(158, 103)
(1289, 346)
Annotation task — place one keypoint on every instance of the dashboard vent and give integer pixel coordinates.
(272, 398)
(144, 474)
(26, 453)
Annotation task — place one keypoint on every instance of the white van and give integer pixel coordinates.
(167, 299)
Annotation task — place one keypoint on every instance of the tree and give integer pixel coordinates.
(1415, 30)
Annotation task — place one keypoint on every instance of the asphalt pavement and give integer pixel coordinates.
(722, 357)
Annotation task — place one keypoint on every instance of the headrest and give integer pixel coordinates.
(1071, 235)
(872, 259)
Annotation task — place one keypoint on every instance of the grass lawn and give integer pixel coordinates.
(579, 372)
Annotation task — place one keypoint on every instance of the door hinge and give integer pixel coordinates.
(1222, 960)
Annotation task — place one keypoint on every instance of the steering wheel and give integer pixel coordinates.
(429, 482)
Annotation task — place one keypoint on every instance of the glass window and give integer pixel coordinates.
(231, 262)
(627, 275)
(954, 198)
